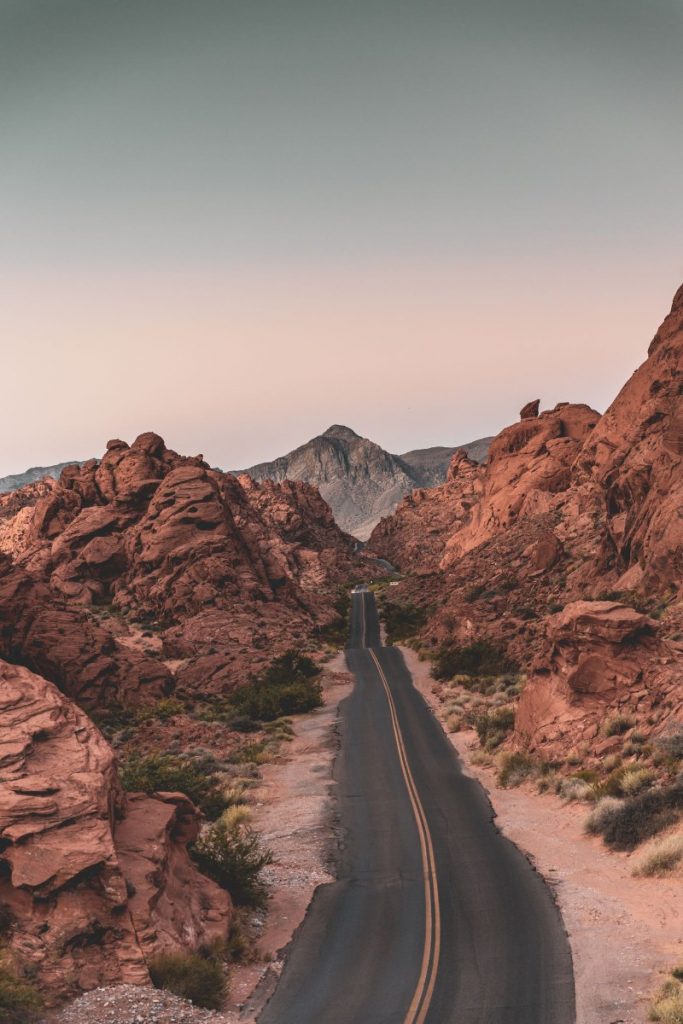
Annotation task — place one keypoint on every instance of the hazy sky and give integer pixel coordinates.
(237, 223)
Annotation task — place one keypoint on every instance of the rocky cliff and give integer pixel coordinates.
(89, 877)
(360, 481)
(560, 550)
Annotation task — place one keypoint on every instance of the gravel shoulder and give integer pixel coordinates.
(623, 931)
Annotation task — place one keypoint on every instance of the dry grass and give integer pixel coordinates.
(662, 857)
(668, 1006)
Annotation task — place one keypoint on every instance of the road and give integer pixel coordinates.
(435, 918)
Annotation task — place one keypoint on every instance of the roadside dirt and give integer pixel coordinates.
(623, 931)
(292, 810)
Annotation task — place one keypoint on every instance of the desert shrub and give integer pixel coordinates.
(190, 976)
(336, 631)
(160, 710)
(493, 726)
(480, 658)
(514, 768)
(668, 1005)
(663, 856)
(166, 773)
(249, 753)
(573, 790)
(642, 816)
(602, 814)
(289, 686)
(19, 1001)
(617, 725)
(233, 855)
(635, 780)
(403, 620)
(670, 743)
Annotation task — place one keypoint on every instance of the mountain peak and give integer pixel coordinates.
(340, 431)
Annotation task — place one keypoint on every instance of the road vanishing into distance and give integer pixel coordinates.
(435, 917)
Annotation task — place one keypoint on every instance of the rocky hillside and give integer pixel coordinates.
(226, 571)
(17, 480)
(564, 553)
(360, 481)
(142, 590)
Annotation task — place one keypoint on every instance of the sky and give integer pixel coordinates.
(238, 223)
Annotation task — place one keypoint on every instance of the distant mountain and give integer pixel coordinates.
(360, 481)
(13, 482)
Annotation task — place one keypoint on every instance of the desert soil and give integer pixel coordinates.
(625, 932)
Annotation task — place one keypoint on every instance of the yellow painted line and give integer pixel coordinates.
(424, 990)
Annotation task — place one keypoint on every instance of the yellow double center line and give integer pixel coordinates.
(424, 990)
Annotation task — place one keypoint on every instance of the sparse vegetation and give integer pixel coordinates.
(233, 855)
(668, 1005)
(630, 822)
(603, 814)
(289, 686)
(514, 768)
(493, 726)
(165, 773)
(337, 630)
(481, 658)
(661, 858)
(20, 1003)
(191, 976)
(617, 725)
(670, 743)
(402, 620)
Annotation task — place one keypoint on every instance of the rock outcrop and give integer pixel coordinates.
(89, 878)
(219, 567)
(571, 510)
(360, 481)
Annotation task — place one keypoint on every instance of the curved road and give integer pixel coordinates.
(435, 917)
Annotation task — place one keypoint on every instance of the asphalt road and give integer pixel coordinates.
(435, 917)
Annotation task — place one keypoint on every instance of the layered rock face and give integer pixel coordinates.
(570, 508)
(90, 878)
(224, 568)
(360, 481)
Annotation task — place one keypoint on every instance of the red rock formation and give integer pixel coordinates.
(226, 567)
(570, 506)
(600, 657)
(89, 877)
(414, 538)
(530, 410)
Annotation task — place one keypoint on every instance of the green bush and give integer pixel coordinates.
(337, 630)
(493, 726)
(289, 686)
(403, 620)
(190, 976)
(233, 855)
(19, 1001)
(480, 658)
(165, 773)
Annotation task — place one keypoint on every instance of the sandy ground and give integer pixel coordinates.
(292, 809)
(625, 932)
